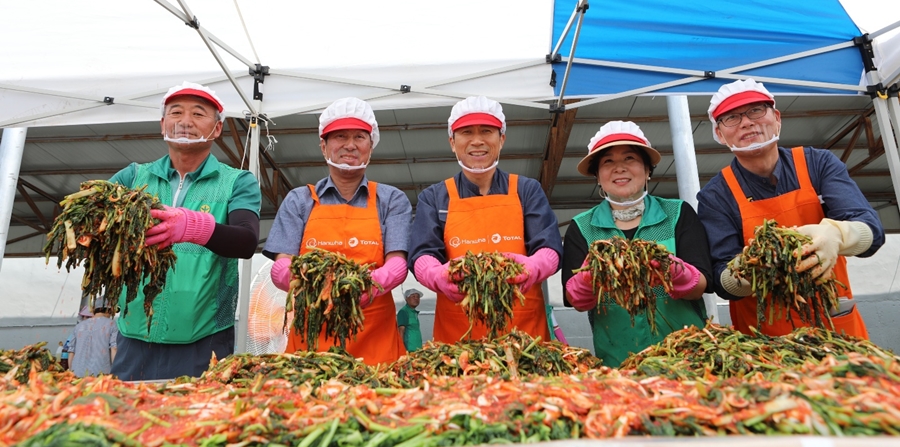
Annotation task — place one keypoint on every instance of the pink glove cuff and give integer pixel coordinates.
(684, 277)
(581, 293)
(199, 226)
(391, 274)
(432, 274)
(422, 270)
(281, 274)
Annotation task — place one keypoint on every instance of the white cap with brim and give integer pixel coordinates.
(615, 133)
(736, 94)
(191, 89)
(476, 110)
(349, 113)
(410, 292)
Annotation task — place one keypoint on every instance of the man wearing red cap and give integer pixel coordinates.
(804, 187)
(211, 219)
(483, 209)
(346, 213)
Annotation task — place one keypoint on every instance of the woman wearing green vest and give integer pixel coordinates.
(621, 159)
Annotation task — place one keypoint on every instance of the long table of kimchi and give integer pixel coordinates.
(819, 388)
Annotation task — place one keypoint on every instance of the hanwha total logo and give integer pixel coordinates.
(454, 241)
(495, 238)
(353, 242)
(311, 242)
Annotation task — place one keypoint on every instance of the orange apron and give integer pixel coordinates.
(486, 224)
(355, 233)
(799, 207)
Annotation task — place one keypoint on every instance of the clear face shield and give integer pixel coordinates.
(182, 133)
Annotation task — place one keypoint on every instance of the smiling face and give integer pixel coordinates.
(622, 172)
(190, 117)
(350, 146)
(749, 131)
(477, 146)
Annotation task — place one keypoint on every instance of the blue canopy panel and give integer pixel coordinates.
(706, 35)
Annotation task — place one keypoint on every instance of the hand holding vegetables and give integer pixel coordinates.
(581, 291)
(831, 238)
(538, 267)
(180, 225)
(436, 276)
(281, 274)
(684, 277)
(385, 279)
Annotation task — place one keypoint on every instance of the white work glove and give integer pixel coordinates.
(831, 238)
(732, 285)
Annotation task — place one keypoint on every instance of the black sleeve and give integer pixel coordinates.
(575, 250)
(239, 238)
(691, 244)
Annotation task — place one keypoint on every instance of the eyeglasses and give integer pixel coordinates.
(733, 119)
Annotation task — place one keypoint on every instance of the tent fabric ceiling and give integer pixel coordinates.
(661, 33)
(134, 54)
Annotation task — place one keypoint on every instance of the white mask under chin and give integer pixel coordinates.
(186, 140)
(628, 203)
(754, 146)
(478, 170)
(345, 166)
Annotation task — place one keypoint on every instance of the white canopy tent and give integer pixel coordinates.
(112, 63)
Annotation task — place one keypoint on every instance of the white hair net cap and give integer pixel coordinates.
(736, 94)
(349, 113)
(616, 133)
(476, 110)
(192, 89)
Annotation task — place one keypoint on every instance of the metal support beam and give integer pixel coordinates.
(12, 145)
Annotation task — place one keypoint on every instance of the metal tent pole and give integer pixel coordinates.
(11, 148)
(245, 271)
(686, 168)
(887, 112)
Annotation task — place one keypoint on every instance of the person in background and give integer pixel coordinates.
(483, 209)
(211, 219)
(408, 320)
(93, 346)
(621, 159)
(347, 213)
(803, 187)
(83, 314)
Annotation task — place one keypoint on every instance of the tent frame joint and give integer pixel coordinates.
(709, 74)
(894, 91)
(866, 50)
(877, 91)
(193, 23)
(259, 73)
(109, 100)
(405, 88)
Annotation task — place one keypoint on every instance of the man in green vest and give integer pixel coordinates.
(408, 321)
(211, 219)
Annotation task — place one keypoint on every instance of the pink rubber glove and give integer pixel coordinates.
(386, 278)
(180, 225)
(538, 267)
(684, 277)
(434, 275)
(281, 274)
(560, 337)
(581, 291)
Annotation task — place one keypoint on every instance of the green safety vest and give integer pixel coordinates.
(201, 291)
(614, 336)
